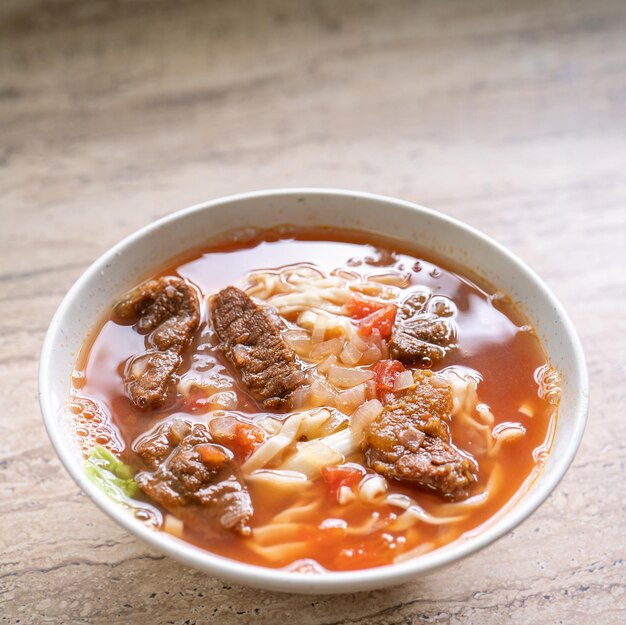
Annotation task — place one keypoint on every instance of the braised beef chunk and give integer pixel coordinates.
(155, 447)
(193, 477)
(169, 310)
(420, 336)
(250, 339)
(410, 440)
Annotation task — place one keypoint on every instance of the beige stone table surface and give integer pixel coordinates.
(508, 115)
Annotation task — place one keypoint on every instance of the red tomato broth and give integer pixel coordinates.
(493, 338)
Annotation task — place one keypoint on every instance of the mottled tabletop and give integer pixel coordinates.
(508, 115)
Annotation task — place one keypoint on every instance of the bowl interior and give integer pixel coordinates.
(134, 258)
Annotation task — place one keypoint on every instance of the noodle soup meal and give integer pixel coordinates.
(313, 400)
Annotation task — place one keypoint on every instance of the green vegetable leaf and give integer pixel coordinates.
(110, 474)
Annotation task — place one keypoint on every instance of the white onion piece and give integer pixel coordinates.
(384, 349)
(363, 416)
(274, 445)
(345, 377)
(375, 337)
(300, 397)
(347, 401)
(370, 389)
(325, 365)
(371, 355)
(353, 350)
(223, 428)
(173, 525)
(179, 429)
(319, 329)
(321, 394)
(298, 341)
(403, 381)
(226, 400)
(332, 346)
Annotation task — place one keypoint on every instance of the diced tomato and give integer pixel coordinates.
(381, 319)
(196, 400)
(359, 308)
(212, 454)
(331, 531)
(375, 550)
(241, 438)
(247, 438)
(386, 373)
(341, 475)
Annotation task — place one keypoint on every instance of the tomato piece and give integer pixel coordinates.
(375, 550)
(341, 475)
(247, 438)
(386, 372)
(359, 308)
(196, 400)
(331, 531)
(382, 319)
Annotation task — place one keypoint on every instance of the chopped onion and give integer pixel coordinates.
(371, 355)
(298, 341)
(384, 349)
(353, 351)
(371, 391)
(223, 428)
(227, 400)
(319, 329)
(138, 365)
(300, 397)
(403, 381)
(345, 377)
(179, 429)
(363, 416)
(375, 337)
(173, 526)
(325, 365)
(332, 346)
(322, 394)
(350, 399)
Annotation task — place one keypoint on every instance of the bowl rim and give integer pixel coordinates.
(332, 581)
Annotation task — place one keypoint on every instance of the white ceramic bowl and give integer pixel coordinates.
(130, 261)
